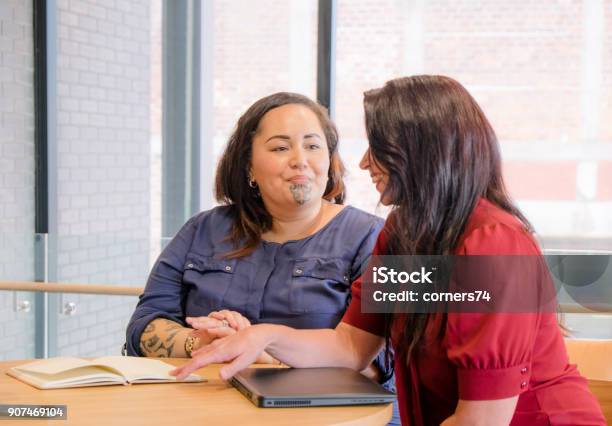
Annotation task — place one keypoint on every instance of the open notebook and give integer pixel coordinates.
(65, 372)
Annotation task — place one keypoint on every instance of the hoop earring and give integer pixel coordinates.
(252, 183)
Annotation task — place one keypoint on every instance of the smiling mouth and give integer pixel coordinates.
(299, 179)
(376, 179)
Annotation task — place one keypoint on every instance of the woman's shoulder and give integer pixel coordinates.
(214, 221)
(356, 220)
(361, 216)
(492, 230)
(208, 229)
(218, 213)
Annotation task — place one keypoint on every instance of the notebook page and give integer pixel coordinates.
(54, 365)
(137, 368)
(81, 376)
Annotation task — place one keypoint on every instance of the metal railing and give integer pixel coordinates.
(114, 290)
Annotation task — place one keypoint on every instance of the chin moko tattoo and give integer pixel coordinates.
(301, 192)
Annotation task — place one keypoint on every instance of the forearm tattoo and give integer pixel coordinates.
(159, 339)
(301, 192)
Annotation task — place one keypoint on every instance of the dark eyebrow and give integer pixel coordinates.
(284, 137)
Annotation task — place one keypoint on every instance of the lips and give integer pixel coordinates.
(376, 178)
(299, 179)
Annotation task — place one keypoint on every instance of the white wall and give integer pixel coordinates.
(16, 173)
(103, 67)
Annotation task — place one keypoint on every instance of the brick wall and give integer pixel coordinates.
(16, 174)
(155, 88)
(104, 164)
(253, 44)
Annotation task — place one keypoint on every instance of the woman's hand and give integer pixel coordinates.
(221, 324)
(497, 412)
(241, 348)
(207, 329)
(372, 373)
(234, 319)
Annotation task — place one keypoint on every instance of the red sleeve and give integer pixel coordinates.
(372, 323)
(493, 351)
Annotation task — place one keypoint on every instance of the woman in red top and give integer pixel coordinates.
(434, 157)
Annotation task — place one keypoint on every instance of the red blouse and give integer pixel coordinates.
(487, 356)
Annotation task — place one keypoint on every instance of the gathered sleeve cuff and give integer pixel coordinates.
(493, 383)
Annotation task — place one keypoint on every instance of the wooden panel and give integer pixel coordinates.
(603, 392)
(594, 361)
(593, 357)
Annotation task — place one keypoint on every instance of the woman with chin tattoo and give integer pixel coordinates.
(282, 248)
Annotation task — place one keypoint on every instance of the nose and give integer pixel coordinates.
(364, 164)
(298, 160)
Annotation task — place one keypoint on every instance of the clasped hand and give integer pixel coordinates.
(218, 325)
(241, 349)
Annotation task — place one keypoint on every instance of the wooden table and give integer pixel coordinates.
(209, 403)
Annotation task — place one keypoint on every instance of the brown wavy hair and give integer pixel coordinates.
(442, 156)
(250, 217)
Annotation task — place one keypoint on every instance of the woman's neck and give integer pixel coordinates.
(297, 223)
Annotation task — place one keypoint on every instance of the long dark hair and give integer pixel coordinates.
(442, 156)
(250, 217)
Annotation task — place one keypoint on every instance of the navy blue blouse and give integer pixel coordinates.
(301, 283)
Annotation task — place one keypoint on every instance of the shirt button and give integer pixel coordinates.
(190, 265)
(523, 385)
(228, 268)
(298, 271)
(524, 370)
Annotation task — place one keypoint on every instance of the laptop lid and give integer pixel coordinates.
(303, 387)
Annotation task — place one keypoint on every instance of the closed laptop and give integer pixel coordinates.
(305, 387)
